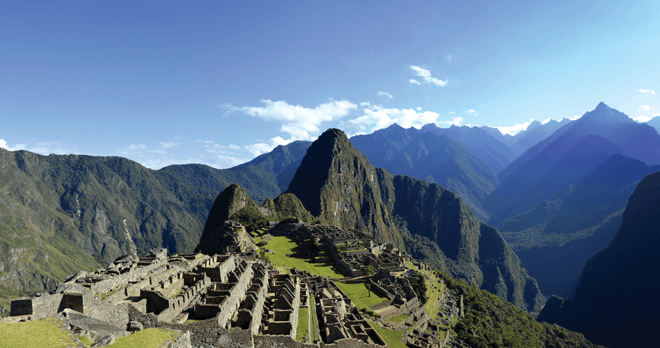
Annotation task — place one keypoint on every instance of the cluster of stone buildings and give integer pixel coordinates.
(221, 300)
(233, 299)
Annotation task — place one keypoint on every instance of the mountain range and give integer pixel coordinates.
(557, 204)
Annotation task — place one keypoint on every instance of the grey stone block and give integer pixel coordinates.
(104, 341)
(135, 326)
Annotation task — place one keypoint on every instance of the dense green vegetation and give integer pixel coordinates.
(491, 322)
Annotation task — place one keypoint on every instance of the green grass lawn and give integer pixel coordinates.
(38, 333)
(390, 337)
(360, 295)
(283, 245)
(399, 318)
(48, 333)
(303, 320)
(312, 304)
(146, 338)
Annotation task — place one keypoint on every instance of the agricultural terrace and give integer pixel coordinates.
(283, 246)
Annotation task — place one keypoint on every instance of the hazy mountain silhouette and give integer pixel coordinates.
(602, 309)
(434, 158)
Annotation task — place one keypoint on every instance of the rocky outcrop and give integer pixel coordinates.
(613, 305)
(336, 183)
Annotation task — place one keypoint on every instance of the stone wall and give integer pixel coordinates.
(241, 275)
(135, 274)
(279, 341)
(40, 307)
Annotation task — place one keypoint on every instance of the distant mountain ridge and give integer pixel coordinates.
(425, 155)
(571, 150)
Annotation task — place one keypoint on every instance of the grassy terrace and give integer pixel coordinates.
(399, 318)
(303, 322)
(314, 326)
(360, 295)
(390, 337)
(283, 246)
(48, 333)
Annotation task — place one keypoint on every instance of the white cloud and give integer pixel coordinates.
(385, 94)
(645, 118)
(472, 112)
(419, 108)
(261, 148)
(451, 112)
(300, 122)
(3, 144)
(426, 75)
(456, 121)
(647, 91)
(168, 145)
(377, 117)
(137, 147)
(513, 130)
(546, 120)
(644, 107)
(449, 57)
(413, 81)
(574, 117)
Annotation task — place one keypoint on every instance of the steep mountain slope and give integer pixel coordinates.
(434, 158)
(61, 214)
(556, 238)
(479, 142)
(622, 271)
(655, 123)
(338, 184)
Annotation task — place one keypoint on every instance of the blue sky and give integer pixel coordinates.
(221, 82)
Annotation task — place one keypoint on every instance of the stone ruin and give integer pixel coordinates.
(217, 301)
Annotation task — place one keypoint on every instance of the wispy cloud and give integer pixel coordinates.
(168, 145)
(513, 130)
(300, 122)
(385, 94)
(472, 112)
(415, 82)
(426, 75)
(451, 112)
(449, 57)
(644, 107)
(647, 91)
